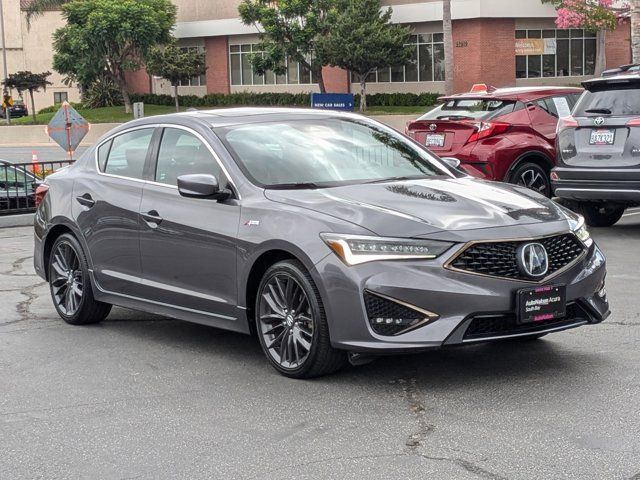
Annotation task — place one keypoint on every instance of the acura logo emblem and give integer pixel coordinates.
(533, 260)
(599, 121)
(433, 127)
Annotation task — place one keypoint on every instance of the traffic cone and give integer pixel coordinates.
(35, 166)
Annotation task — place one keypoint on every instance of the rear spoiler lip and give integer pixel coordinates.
(622, 79)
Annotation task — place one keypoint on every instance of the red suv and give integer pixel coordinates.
(508, 134)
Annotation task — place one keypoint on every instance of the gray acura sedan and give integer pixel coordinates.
(330, 236)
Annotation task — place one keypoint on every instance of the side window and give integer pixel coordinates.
(103, 153)
(182, 153)
(128, 153)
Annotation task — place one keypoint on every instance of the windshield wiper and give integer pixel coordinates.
(397, 179)
(454, 117)
(604, 111)
(295, 186)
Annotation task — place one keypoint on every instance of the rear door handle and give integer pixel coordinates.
(152, 217)
(86, 200)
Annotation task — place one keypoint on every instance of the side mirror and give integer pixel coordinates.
(452, 162)
(201, 186)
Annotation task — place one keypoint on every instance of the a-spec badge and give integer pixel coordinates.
(252, 223)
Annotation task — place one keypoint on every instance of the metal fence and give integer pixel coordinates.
(19, 181)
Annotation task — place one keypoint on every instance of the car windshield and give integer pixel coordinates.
(618, 102)
(324, 152)
(471, 108)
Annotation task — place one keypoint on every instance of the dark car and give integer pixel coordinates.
(507, 133)
(328, 234)
(598, 172)
(17, 187)
(17, 110)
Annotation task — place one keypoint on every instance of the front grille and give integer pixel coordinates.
(395, 318)
(498, 259)
(487, 326)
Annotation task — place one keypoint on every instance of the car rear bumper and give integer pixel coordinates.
(616, 185)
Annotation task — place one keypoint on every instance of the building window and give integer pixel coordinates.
(425, 65)
(197, 81)
(555, 53)
(242, 73)
(59, 97)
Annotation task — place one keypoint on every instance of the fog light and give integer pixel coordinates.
(602, 290)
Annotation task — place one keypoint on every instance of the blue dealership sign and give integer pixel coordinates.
(332, 101)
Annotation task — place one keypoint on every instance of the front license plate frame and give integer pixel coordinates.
(434, 140)
(602, 137)
(541, 304)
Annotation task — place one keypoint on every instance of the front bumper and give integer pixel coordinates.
(471, 308)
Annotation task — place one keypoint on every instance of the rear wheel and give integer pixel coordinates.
(291, 323)
(532, 176)
(70, 284)
(600, 215)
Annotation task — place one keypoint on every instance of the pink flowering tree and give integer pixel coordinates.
(599, 16)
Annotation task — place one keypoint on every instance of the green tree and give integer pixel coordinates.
(109, 37)
(29, 82)
(290, 29)
(175, 65)
(35, 8)
(363, 39)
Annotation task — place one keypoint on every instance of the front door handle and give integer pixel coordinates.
(86, 200)
(152, 217)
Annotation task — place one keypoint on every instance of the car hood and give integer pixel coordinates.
(423, 207)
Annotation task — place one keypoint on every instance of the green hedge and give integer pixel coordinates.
(55, 108)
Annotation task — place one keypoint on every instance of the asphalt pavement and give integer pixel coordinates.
(140, 396)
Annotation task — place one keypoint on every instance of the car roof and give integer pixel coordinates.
(523, 94)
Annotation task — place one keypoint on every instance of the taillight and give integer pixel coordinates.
(487, 129)
(634, 122)
(566, 122)
(41, 192)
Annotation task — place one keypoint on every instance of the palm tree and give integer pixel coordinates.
(36, 8)
(447, 29)
(635, 30)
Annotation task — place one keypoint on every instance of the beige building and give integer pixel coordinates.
(30, 49)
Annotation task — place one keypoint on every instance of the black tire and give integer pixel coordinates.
(320, 359)
(84, 309)
(600, 214)
(532, 176)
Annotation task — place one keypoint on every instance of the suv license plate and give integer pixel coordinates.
(540, 304)
(602, 137)
(435, 140)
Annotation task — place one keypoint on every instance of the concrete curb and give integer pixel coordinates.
(22, 220)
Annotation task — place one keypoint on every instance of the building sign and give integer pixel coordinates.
(536, 46)
(332, 101)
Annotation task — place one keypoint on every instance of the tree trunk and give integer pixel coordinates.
(363, 93)
(447, 28)
(320, 80)
(635, 30)
(33, 106)
(124, 90)
(175, 93)
(601, 53)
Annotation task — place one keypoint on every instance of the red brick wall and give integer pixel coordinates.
(619, 45)
(484, 52)
(335, 79)
(217, 61)
(138, 81)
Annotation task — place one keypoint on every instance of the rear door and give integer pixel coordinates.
(106, 203)
(608, 132)
(188, 245)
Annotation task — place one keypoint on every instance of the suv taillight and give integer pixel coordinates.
(565, 123)
(487, 129)
(634, 122)
(41, 192)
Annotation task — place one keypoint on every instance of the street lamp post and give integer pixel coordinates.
(7, 115)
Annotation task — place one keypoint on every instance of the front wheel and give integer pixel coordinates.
(70, 284)
(532, 176)
(600, 215)
(292, 325)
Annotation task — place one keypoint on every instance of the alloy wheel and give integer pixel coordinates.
(66, 279)
(534, 180)
(286, 321)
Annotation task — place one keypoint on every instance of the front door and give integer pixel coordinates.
(188, 245)
(106, 203)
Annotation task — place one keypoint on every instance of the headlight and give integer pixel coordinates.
(580, 230)
(356, 249)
